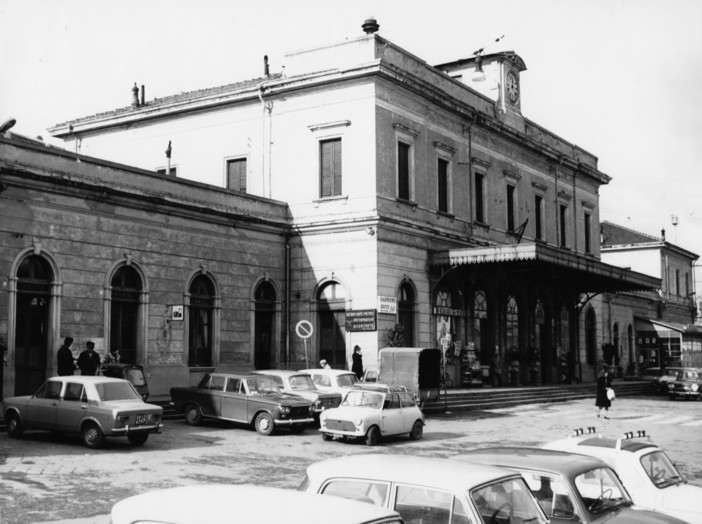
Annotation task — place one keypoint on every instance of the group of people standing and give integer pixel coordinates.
(88, 361)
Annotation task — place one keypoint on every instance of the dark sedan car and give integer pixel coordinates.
(248, 399)
(687, 385)
(296, 383)
(571, 487)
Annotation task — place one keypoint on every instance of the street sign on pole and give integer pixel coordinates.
(304, 330)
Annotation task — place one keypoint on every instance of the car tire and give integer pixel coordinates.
(15, 428)
(138, 439)
(93, 436)
(193, 415)
(417, 430)
(264, 424)
(373, 436)
(671, 397)
(327, 437)
(297, 428)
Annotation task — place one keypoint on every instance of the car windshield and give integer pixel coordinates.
(108, 391)
(262, 386)
(347, 380)
(508, 500)
(601, 490)
(301, 382)
(661, 470)
(369, 399)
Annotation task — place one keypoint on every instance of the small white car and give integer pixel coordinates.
(648, 474)
(332, 380)
(372, 411)
(427, 489)
(224, 504)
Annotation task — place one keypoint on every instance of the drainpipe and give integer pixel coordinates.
(287, 301)
(558, 211)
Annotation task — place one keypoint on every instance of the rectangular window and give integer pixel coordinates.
(479, 198)
(538, 217)
(588, 225)
(510, 207)
(330, 167)
(562, 223)
(403, 171)
(677, 282)
(443, 166)
(236, 174)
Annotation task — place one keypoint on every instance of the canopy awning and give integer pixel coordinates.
(661, 327)
(559, 266)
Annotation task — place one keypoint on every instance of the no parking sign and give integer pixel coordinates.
(304, 330)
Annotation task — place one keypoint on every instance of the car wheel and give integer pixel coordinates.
(264, 424)
(193, 415)
(93, 437)
(15, 428)
(373, 436)
(138, 439)
(297, 428)
(671, 397)
(417, 430)
(327, 437)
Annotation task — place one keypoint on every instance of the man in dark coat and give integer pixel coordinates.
(88, 360)
(66, 364)
(357, 364)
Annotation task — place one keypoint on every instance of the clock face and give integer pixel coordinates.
(512, 85)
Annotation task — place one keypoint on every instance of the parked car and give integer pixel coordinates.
(570, 487)
(370, 374)
(332, 380)
(130, 372)
(648, 474)
(247, 399)
(296, 383)
(659, 385)
(372, 411)
(225, 504)
(93, 407)
(687, 385)
(427, 489)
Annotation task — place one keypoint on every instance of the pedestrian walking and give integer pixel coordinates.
(357, 364)
(88, 360)
(65, 362)
(602, 400)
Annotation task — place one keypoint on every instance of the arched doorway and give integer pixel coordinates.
(264, 326)
(34, 278)
(405, 312)
(331, 319)
(200, 322)
(124, 312)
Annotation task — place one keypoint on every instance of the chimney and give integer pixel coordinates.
(135, 96)
(663, 235)
(370, 26)
(143, 95)
(266, 70)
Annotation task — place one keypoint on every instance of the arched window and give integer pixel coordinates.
(512, 323)
(480, 328)
(200, 322)
(591, 336)
(265, 297)
(331, 307)
(34, 277)
(405, 312)
(124, 312)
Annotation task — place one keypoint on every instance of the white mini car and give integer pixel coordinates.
(648, 474)
(372, 411)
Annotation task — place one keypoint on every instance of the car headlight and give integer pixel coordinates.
(671, 386)
(695, 387)
(284, 410)
(311, 408)
(358, 422)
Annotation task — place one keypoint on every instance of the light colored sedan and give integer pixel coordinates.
(300, 384)
(220, 504)
(648, 474)
(332, 380)
(93, 407)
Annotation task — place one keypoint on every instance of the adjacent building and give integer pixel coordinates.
(360, 190)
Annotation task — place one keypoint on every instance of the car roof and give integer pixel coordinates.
(235, 375)
(552, 461)
(219, 504)
(379, 387)
(632, 442)
(434, 472)
(278, 372)
(86, 379)
(327, 371)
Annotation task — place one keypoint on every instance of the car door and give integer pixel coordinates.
(211, 397)
(392, 420)
(234, 400)
(42, 408)
(410, 411)
(72, 407)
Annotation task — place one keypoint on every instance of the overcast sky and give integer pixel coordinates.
(619, 78)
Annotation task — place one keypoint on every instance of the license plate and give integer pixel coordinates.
(140, 419)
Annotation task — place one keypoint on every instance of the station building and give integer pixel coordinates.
(358, 189)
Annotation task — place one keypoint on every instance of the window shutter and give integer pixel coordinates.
(330, 167)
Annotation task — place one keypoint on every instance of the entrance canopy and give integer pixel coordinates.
(559, 267)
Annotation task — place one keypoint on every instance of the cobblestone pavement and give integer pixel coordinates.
(52, 478)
